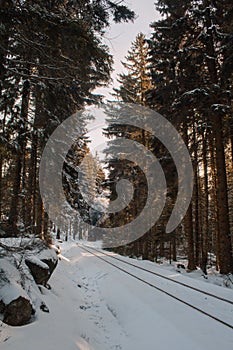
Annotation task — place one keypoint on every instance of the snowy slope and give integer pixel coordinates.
(95, 306)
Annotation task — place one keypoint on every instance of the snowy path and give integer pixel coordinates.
(95, 306)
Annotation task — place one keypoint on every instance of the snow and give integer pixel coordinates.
(34, 260)
(19, 242)
(95, 306)
(220, 107)
(15, 278)
(196, 92)
(47, 254)
(11, 290)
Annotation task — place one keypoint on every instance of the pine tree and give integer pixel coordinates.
(191, 88)
(52, 58)
(136, 81)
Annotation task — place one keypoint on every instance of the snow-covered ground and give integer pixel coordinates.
(95, 306)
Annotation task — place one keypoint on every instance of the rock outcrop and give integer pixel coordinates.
(18, 312)
(41, 269)
(19, 278)
(15, 304)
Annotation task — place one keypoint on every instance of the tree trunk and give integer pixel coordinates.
(38, 215)
(205, 223)
(225, 247)
(196, 199)
(145, 254)
(161, 248)
(1, 166)
(14, 208)
(188, 220)
(174, 256)
(31, 188)
(190, 238)
(216, 219)
(13, 214)
(46, 232)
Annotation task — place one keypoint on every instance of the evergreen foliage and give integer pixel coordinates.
(51, 60)
(136, 81)
(190, 64)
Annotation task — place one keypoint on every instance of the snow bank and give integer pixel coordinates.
(95, 306)
(10, 287)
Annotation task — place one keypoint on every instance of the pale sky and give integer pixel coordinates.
(120, 36)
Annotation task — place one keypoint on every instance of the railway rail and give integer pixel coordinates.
(105, 255)
(162, 276)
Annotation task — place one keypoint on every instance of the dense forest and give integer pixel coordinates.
(52, 58)
(184, 71)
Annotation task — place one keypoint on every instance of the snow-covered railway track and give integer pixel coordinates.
(104, 257)
(160, 275)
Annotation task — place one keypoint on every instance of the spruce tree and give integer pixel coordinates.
(192, 90)
(136, 81)
(52, 59)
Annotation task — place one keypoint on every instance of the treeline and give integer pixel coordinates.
(51, 60)
(185, 72)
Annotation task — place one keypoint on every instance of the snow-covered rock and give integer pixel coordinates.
(42, 267)
(16, 305)
(24, 263)
(38, 269)
(18, 312)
